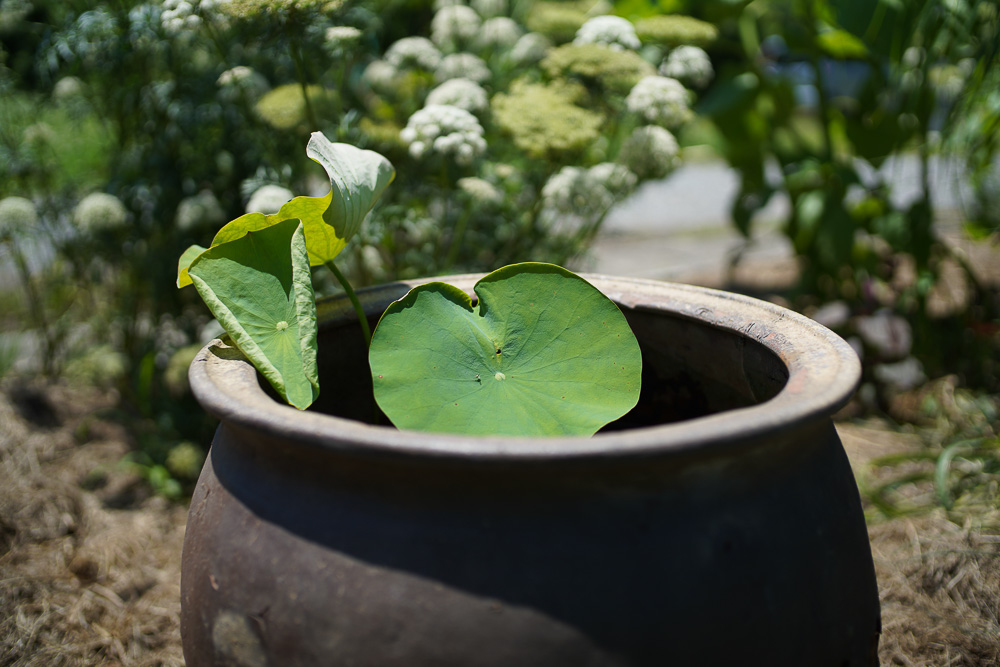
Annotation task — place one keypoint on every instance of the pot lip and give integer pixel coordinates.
(823, 372)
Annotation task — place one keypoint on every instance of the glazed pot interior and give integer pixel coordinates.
(690, 369)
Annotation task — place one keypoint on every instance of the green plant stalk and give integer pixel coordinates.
(37, 310)
(301, 75)
(443, 254)
(824, 109)
(362, 320)
(458, 236)
(345, 283)
(943, 468)
(253, 119)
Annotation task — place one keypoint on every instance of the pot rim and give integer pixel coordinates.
(823, 372)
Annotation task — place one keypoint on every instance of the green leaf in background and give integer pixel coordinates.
(542, 353)
(260, 289)
(357, 179)
(841, 45)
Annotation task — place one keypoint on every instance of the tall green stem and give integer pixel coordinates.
(458, 235)
(300, 72)
(362, 319)
(37, 310)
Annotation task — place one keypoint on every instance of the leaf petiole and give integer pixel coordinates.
(362, 319)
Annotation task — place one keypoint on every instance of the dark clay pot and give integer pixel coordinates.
(717, 524)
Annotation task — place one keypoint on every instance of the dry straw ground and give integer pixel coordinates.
(89, 560)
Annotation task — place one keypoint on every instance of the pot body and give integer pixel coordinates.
(721, 526)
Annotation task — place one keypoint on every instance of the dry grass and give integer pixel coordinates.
(87, 577)
(940, 589)
(939, 582)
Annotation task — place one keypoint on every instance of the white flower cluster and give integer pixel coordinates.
(587, 194)
(913, 57)
(462, 66)
(660, 100)
(242, 78)
(480, 190)
(490, 8)
(462, 93)
(67, 88)
(381, 76)
(342, 35)
(269, 199)
(179, 15)
(12, 12)
(650, 152)
(499, 32)
(99, 212)
(615, 178)
(444, 130)
(17, 216)
(559, 192)
(530, 49)
(455, 26)
(690, 64)
(413, 53)
(614, 32)
(374, 263)
(419, 229)
(202, 209)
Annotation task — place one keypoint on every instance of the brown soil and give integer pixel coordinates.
(89, 560)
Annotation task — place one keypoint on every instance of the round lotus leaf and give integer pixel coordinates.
(543, 352)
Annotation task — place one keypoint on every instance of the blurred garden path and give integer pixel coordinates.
(678, 229)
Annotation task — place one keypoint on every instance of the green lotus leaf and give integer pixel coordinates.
(357, 177)
(357, 180)
(322, 241)
(183, 279)
(542, 353)
(260, 290)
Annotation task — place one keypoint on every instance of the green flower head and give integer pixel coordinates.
(284, 108)
(254, 8)
(544, 121)
(615, 71)
(558, 21)
(674, 30)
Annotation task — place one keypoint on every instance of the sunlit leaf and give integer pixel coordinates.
(183, 279)
(841, 45)
(357, 180)
(260, 290)
(542, 353)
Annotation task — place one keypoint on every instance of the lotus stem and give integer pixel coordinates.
(362, 319)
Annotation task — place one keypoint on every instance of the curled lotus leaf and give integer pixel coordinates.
(358, 178)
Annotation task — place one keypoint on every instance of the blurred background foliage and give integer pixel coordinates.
(130, 130)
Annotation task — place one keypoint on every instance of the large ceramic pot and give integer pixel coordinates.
(717, 524)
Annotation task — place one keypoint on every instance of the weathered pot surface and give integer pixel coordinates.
(716, 524)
